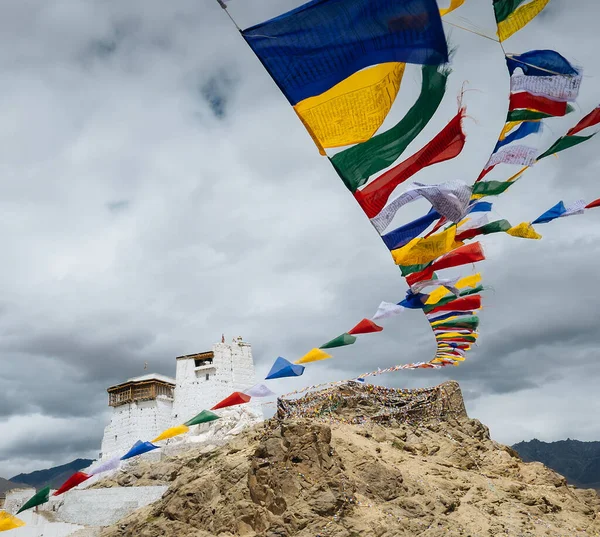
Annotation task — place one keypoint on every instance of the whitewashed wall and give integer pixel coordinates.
(129, 423)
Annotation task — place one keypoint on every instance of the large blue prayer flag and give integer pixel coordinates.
(540, 63)
(139, 448)
(283, 368)
(312, 48)
(406, 233)
(551, 214)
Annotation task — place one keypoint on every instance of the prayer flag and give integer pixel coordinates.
(519, 18)
(524, 230)
(205, 416)
(356, 164)
(111, 464)
(563, 143)
(353, 110)
(540, 63)
(39, 498)
(236, 398)
(309, 50)
(406, 233)
(172, 432)
(465, 303)
(557, 87)
(314, 355)
(425, 250)
(9, 522)
(259, 390)
(76, 479)
(139, 448)
(555, 212)
(366, 326)
(340, 341)
(445, 146)
(283, 368)
(387, 309)
(593, 118)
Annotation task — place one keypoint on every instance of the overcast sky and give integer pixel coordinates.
(157, 190)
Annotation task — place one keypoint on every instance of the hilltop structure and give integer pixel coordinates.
(146, 405)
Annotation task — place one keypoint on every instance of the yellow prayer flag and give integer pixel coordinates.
(313, 356)
(456, 334)
(454, 357)
(520, 18)
(524, 230)
(170, 433)
(353, 110)
(441, 292)
(454, 4)
(423, 250)
(9, 522)
(507, 128)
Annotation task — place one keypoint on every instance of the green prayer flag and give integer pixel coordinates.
(340, 341)
(565, 143)
(37, 499)
(410, 269)
(204, 417)
(532, 115)
(492, 188)
(503, 8)
(450, 297)
(495, 227)
(356, 164)
(473, 324)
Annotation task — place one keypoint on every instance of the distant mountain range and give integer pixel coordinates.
(5, 485)
(578, 461)
(54, 477)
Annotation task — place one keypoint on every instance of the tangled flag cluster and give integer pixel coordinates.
(342, 85)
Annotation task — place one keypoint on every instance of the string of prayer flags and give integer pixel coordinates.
(467, 281)
(205, 416)
(517, 19)
(259, 390)
(172, 432)
(139, 448)
(387, 309)
(445, 146)
(9, 522)
(356, 164)
(340, 341)
(75, 480)
(308, 50)
(366, 326)
(236, 398)
(352, 111)
(39, 498)
(446, 299)
(283, 368)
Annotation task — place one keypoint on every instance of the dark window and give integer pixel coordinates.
(207, 376)
(202, 361)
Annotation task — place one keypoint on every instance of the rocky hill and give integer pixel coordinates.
(578, 461)
(5, 485)
(362, 462)
(54, 477)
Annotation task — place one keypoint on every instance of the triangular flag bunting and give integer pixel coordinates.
(9, 522)
(139, 448)
(76, 479)
(259, 390)
(37, 499)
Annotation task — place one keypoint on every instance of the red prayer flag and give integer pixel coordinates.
(425, 274)
(472, 302)
(593, 118)
(469, 253)
(484, 172)
(76, 479)
(236, 398)
(540, 104)
(445, 146)
(595, 203)
(366, 326)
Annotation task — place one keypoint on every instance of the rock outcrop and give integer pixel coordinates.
(323, 476)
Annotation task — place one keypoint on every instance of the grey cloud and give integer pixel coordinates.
(229, 221)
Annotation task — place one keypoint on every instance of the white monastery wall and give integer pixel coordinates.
(200, 388)
(141, 420)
